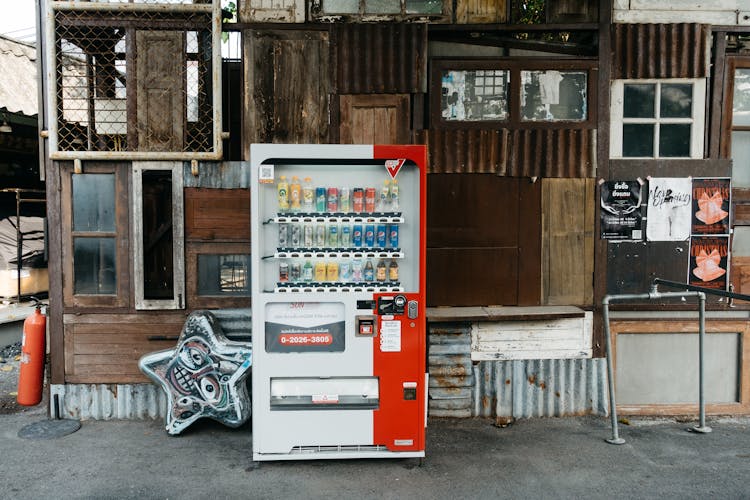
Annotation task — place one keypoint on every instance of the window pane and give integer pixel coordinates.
(224, 275)
(674, 140)
(676, 100)
(94, 266)
(424, 6)
(637, 140)
(382, 6)
(638, 100)
(469, 97)
(341, 6)
(158, 274)
(741, 159)
(94, 202)
(553, 95)
(741, 101)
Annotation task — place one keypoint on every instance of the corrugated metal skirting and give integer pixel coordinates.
(519, 389)
(109, 401)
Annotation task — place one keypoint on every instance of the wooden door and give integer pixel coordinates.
(568, 241)
(374, 119)
(161, 100)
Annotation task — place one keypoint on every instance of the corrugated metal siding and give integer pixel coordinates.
(18, 86)
(109, 401)
(519, 389)
(381, 58)
(219, 175)
(451, 375)
(540, 388)
(660, 50)
(561, 153)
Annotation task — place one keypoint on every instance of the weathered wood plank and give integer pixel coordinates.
(217, 214)
(668, 16)
(480, 11)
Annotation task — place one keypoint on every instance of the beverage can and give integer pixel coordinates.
(320, 235)
(345, 200)
(332, 205)
(295, 272)
(380, 235)
(320, 199)
(283, 272)
(320, 271)
(369, 236)
(357, 236)
(283, 235)
(370, 194)
(332, 271)
(333, 236)
(308, 236)
(393, 235)
(346, 236)
(295, 238)
(358, 200)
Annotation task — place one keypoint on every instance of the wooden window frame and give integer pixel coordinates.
(122, 296)
(514, 66)
(195, 249)
(740, 327)
(317, 12)
(697, 121)
(178, 236)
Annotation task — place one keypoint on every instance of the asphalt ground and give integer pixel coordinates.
(466, 458)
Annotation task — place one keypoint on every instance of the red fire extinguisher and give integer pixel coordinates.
(33, 352)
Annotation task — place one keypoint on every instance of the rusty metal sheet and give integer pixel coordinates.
(381, 58)
(540, 152)
(18, 86)
(660, 50)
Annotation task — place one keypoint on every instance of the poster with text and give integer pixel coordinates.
(709, 262)
(669, 204)
(620, 214)
(711, 206)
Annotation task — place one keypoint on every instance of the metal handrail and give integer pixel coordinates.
(654, 294)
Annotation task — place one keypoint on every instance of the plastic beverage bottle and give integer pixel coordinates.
(283, 193)
(295, 194)
(332, 271)
(307, 271)
(381, 271)
(394, 195)
(369, 271)
(393, 271)
(385, 196)
(308, 196)
(320, 271)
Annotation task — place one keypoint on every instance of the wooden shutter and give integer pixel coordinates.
(374, 119)
(161, 97)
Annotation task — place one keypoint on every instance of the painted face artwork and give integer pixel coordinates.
(204, 376)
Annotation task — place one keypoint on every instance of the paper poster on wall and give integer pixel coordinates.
(305, 326)
(711, 206)
(709, 261)
(620, 214)
(669, 209)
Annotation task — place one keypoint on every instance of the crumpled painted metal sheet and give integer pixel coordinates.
(18, 85)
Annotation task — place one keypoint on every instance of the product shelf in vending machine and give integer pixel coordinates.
(339, 328)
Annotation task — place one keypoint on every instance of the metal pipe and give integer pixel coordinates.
(701, 428)
(50, 51)
(135, 155)
(655, 294)
(135, 7)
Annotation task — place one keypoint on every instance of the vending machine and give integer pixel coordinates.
(338, 300)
